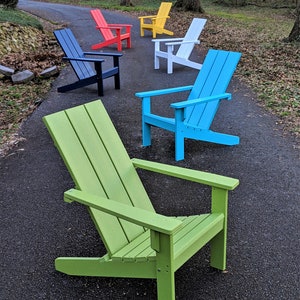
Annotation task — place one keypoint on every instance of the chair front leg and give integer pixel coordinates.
(119, 42)
(156, 58)
(163, 245)
(218, 244)
(170, 58)
(117, 76)
(98, 69)
(179, 134)
(146, 128)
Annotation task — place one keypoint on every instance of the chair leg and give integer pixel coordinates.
(218, 243)
(170, 65)
(154, 32)
(166, 286)
(165, 273)
(156, 58)
(119, 45)
(218, 251)
(98, 68)
(146, 132)
(117, 76)
(141, 29)
(146, 128)
(170, 59)
(179, 146)
(129, 43)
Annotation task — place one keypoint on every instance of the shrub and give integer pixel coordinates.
(9, 3)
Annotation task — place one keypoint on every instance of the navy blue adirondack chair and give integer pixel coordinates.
(81, 63)
(194, 116)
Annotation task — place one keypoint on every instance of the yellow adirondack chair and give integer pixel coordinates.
(157, 23)
(140, 243)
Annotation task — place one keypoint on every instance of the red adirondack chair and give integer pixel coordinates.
(107, 31)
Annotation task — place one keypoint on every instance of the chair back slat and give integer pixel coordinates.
(162, 14)
(213, 79)
(101, 22)
(100, 165)
(192, 34)
(71, 48)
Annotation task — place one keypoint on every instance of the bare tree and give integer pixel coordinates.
(192, 5)
(295, 33)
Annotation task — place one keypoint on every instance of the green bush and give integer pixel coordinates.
(9, 3)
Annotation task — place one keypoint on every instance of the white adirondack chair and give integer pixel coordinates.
(186, 46)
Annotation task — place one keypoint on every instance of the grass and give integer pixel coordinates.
(139, 5)
(18, 17)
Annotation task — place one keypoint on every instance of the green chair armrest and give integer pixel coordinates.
(132, 214)
(206, 178)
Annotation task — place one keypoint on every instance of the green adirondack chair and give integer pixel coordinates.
(140, 243)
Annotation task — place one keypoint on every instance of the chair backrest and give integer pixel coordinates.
(99, 164)
(100, 21)
(192, 34)
(71, 48)
(213, 79)
(162, 14)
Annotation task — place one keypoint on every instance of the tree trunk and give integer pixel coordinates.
(295, 33)
(191, 5)
(126, 3)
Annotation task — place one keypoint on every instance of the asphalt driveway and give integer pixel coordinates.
(37, 226)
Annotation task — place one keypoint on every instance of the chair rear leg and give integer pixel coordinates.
(129, 43)
(119, 45)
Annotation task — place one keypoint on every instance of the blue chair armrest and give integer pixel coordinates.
(103, 54)
(187, 103)
(83, 59)
(164, 91)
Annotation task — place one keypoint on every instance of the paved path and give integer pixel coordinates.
(37, 226)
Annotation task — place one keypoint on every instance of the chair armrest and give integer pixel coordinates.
(206, 178)
(109, 27)
(183, 42)
(83, 59)
(147, 17)
(103, 54)
(167, 40)
(164, 91)
(132, 214)
(184, 104)
(122, 25)
(162, 17)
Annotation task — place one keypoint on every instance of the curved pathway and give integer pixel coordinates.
(37, 226)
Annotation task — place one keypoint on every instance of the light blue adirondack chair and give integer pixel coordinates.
(183, 45)
(194, 116)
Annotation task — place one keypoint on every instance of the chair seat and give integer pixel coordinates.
(192, 229)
